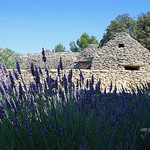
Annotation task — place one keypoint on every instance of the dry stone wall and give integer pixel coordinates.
(109, 63)
(120, 53)
(69, 59)
(124, 78)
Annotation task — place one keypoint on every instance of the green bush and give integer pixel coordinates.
(8, 57)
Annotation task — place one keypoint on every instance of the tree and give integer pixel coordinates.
(8, 57)
(143, 29)
(122, 23)
(74, 47)
(59, 48)
(82, 43)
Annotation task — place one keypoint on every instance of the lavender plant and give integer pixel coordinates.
(61, 115)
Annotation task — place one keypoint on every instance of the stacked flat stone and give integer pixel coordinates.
(122, 51)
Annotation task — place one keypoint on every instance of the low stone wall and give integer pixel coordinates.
(52, 60)
(125, 77)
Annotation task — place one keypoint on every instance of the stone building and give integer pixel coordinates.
(122, 60)
(122, 52)
(85, 58)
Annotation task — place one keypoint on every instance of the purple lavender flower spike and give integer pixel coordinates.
(116, 118)
(60, 64)
(1, 90)
(51, 112)
(40, 70)
(65, 83)
(26, 124)
(15, 113)
(17, 105)
(73, 86)
(8, 104)
(87, 83)
(98, 86)
(15, 124)
(47, 72)
(12, 104)
(4, 86)
(32, 70)
(2, 112)
(81, 76)
(92, 80)
(21, 92)
(115, 89)
(11, 79)
(43, 57)
(37, 77)
(3, 68)
(52, 126)
(17, 66)
(77, 83)
(44, 131)
(56, 84)
(58, 70)
(15, 74)
(110, 87)
(105, 91)
(70, 76)
(83, 145)
(63, 131)
(30, 131)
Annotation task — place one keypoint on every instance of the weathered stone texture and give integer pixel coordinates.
(122, 60)
(119, 53)
(122, 51)
(124, 78)
(68, 58)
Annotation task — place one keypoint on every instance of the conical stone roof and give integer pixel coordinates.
(88, 51)
(120, 52)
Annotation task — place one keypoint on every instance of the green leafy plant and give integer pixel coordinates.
(8, 57)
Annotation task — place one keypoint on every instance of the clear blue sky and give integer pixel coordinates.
(28, 25)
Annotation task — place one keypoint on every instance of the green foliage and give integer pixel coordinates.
(82, 43)
(8, 57)
(138, 29)
(143, 29)
(47, 50)
(122, 23)
(59, 48)
(74, 47)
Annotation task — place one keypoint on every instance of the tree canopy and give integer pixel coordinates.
(8, 57)
(59, 48)
(82, 43)
(138, 29)
(122, 23)
(143, 30)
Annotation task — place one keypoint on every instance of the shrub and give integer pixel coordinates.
(8, 57)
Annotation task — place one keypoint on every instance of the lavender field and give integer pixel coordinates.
(62, 115)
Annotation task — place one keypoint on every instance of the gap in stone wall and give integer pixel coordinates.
(121, 45)
(128, 67)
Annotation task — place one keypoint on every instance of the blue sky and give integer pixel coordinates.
(28, 25)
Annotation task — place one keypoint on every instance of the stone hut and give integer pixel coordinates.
(85, 58)
(70, 60)
(122, 52)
